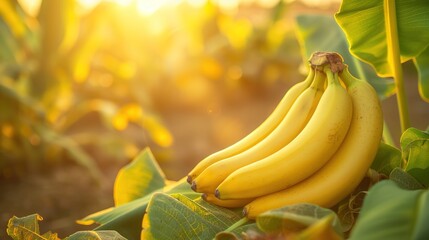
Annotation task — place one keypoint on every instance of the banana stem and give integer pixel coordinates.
(332, 77)
(394, 60)
(237, 224)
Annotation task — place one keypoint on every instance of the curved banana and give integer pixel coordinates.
(231, 203)
(306, 154)
(343, 172)
(259, 133)
(290, 126)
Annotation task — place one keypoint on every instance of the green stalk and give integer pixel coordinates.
(394, 59)
(237, 224)
(387, 136)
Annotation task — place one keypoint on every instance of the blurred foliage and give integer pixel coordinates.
(74, 79)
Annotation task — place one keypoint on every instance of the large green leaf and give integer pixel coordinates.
(422, 63)
(415, 149)
(364, 25)
(179, 217)
(322, 33)
(140, 177)
(390, 212)
(387, 159)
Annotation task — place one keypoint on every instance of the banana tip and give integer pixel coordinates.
(189, 179)
(217, 193)
(194, 186)
(204, 196)
(245, 212)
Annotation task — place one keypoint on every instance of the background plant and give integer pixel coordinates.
(75, 81)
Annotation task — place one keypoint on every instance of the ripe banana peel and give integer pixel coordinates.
(321, 163)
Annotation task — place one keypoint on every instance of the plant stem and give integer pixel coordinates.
(387, 136)
(237, 224)
(394, 59)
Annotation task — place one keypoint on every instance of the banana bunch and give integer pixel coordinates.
(315, 147)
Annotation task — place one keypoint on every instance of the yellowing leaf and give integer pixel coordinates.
(139, 178)
(294, 218)
(28, 228)
(322, 229)
(96, 235)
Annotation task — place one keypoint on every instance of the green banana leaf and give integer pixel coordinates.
(422, 63)
(364, 25)
(179, 217)
(390, 212)
(405, 180)
(322, 33)
(387, 159)
(415, 150)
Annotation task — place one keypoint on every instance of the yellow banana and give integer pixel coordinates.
(290, 126)
(303, 156)
(259, 133)
(343, 172)
(231, 203)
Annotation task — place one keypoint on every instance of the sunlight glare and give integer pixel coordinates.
(196, 3)
(31, 7)
(148, 7)
(268, 3)
(228, 5)
(89, 3)
(123, 3)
